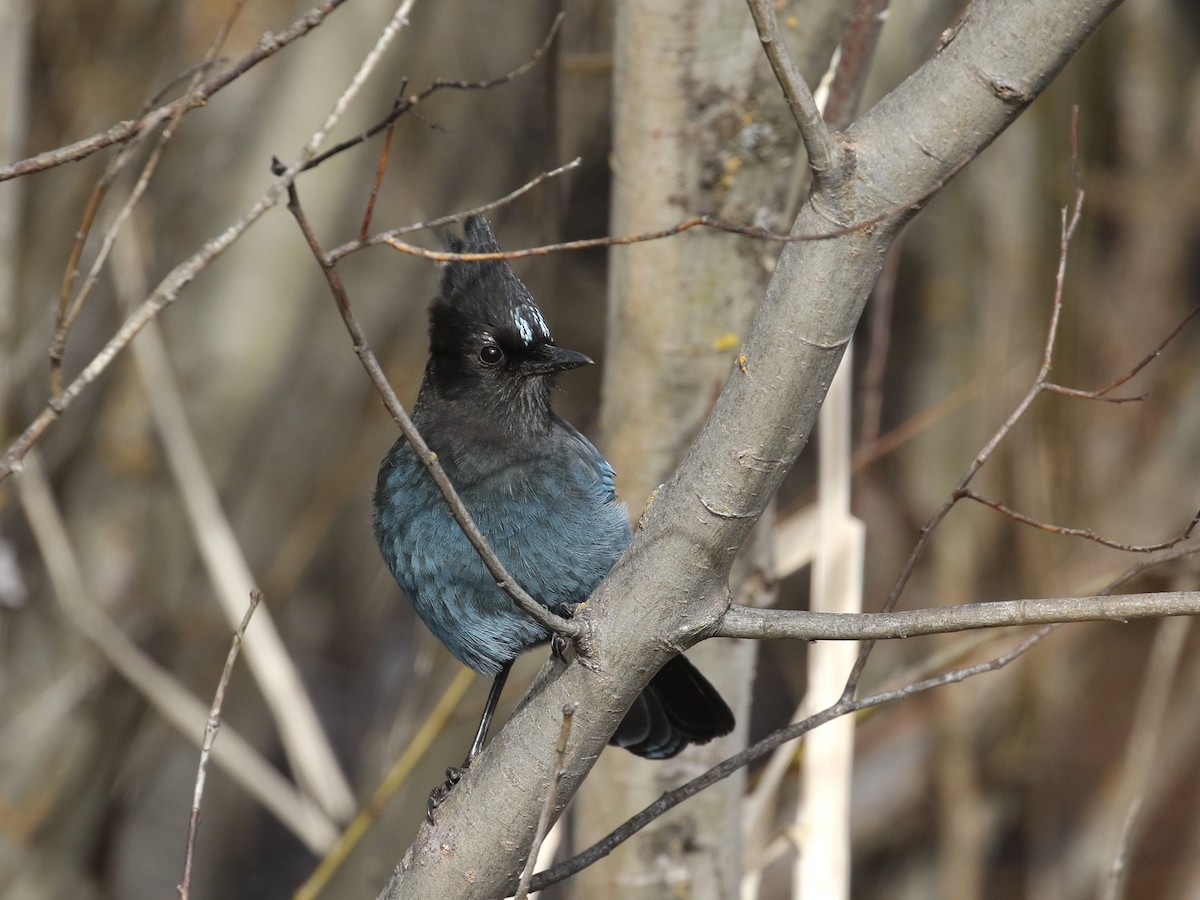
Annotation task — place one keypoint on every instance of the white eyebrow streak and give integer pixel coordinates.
(528, 320)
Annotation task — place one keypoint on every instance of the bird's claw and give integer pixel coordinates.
(454, 775)
(559, 646)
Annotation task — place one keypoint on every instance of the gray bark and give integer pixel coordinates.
(699, 124)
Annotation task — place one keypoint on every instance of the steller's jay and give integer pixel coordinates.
(542, 495)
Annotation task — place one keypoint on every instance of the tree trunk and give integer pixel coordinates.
(699, 126)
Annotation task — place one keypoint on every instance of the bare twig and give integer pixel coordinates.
(179, 277)
(543, 825)
(406, 104)
(818, 141)
(66, 316)
(1068, 230)
(702, 221)
(845, 705)
(1086, 533)
(57, 342)
(573, 629)
(622, 240)
(1101, 393)
(210, 736)
(349, 247)
(384, 154)
(1154, 561)
(269, 44)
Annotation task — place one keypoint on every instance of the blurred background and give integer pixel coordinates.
(249, 394)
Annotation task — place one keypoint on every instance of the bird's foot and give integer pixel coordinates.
(453, 776)
(559, 646)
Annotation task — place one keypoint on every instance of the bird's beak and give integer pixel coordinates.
(551, 359)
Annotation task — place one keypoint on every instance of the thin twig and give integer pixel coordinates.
(268, 45)
(210, 736)
(406, 104)
(349, 247)
(1101, 393)
(1143, 565)
(906, 572)
(179, 277)
(845, 705)
(1086, 533)
(570, 628)
(384, 155)
(818, 141)
(66, 316)
(701, 221)
(57, 342)
(543, 825)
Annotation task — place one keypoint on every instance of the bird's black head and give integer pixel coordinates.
(488, 340)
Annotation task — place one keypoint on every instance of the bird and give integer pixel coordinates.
(541, 494)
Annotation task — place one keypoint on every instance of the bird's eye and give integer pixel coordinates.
(490, 354)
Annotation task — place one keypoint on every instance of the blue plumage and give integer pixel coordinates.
(539, 491)
(569, 533)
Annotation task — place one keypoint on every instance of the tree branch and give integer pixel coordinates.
(776, 739)
(1086, 533)
(749, 622)
(822, 148)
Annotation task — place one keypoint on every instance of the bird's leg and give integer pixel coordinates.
(454, 774)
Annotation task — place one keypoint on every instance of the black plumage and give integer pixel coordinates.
(540, 492)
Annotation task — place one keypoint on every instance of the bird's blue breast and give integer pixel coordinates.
(552, 519)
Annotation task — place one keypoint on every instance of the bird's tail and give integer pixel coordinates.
(678, 707)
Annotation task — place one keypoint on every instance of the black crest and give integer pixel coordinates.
(480, 296)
